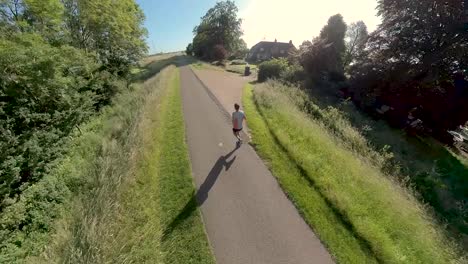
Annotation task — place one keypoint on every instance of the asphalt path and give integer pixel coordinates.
(247, 216)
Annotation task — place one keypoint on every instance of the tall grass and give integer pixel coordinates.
(105, 201)
(388, 223)
(107, 155)
(436, 172)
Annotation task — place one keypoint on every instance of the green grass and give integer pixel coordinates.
(358, 212)
(435, 172)
(110, 199)
(184, 239)
(240, 69)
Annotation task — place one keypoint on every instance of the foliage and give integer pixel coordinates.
(189, 49)
(45, 92)
(62, 62)
(219, 53)
(294, 74)
(356, 39)
(411, 61)
(219, 26)
(240, 51)
(272, 69)
(322, 58)
(112, 29)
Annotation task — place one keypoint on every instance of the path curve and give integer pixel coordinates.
(247, 216)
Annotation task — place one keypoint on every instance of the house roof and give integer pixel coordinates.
(268, 45)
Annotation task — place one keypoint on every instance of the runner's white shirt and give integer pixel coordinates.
(237, 119)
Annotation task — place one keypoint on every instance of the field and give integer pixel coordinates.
(361, 213)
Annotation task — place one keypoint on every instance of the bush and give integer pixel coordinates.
(219, 53)
(293, 74)
(189, 49)
(272, 69)
(45, 93)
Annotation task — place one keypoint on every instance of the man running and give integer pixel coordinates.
(238, 118)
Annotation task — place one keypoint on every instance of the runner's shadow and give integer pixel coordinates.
(222, 162)
(202, 194)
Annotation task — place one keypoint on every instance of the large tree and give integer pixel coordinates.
(323, 58)
(411, 61)
(113, 29)
(356, 39)
(219, 26)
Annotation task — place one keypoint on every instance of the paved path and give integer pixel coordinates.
(227, 87)
(247, 216)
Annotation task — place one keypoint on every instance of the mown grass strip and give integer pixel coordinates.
(388, 224)
(184, 239)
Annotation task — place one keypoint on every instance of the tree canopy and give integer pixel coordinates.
(356, 39)
(416, 58)
(323, 57)
(219, 26)
(61, 61)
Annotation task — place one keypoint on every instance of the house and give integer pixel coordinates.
(265, 50)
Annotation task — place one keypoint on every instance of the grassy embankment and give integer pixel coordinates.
(360, 213)
(124, 180)
(437, 173)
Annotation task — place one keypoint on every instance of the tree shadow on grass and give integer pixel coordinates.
(202, 194)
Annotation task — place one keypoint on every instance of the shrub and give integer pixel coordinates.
(219, 53)
(272, 69)
(293, 74)
(45, 92)
(189, 49)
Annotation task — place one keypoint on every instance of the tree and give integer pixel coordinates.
(41, 16)
(219, 26)
(319, 60)
(113, 29)
(356, 39)
(61, 61)
(219, 53)
(45, 91)
(322, 58)
(189, 49)
(411, 60)
(334, 33)
(240, 50)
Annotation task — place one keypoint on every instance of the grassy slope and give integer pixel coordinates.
(341, 196)
(343, 245)
(432, 169)
(117, 173)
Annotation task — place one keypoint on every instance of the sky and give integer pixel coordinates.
(170, 22)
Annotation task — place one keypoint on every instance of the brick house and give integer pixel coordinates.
(265, 50)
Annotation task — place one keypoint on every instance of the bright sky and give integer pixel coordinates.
(170, 22)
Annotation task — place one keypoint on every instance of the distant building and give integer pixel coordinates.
(265, 50)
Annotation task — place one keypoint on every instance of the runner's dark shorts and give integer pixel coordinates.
(236, 130)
